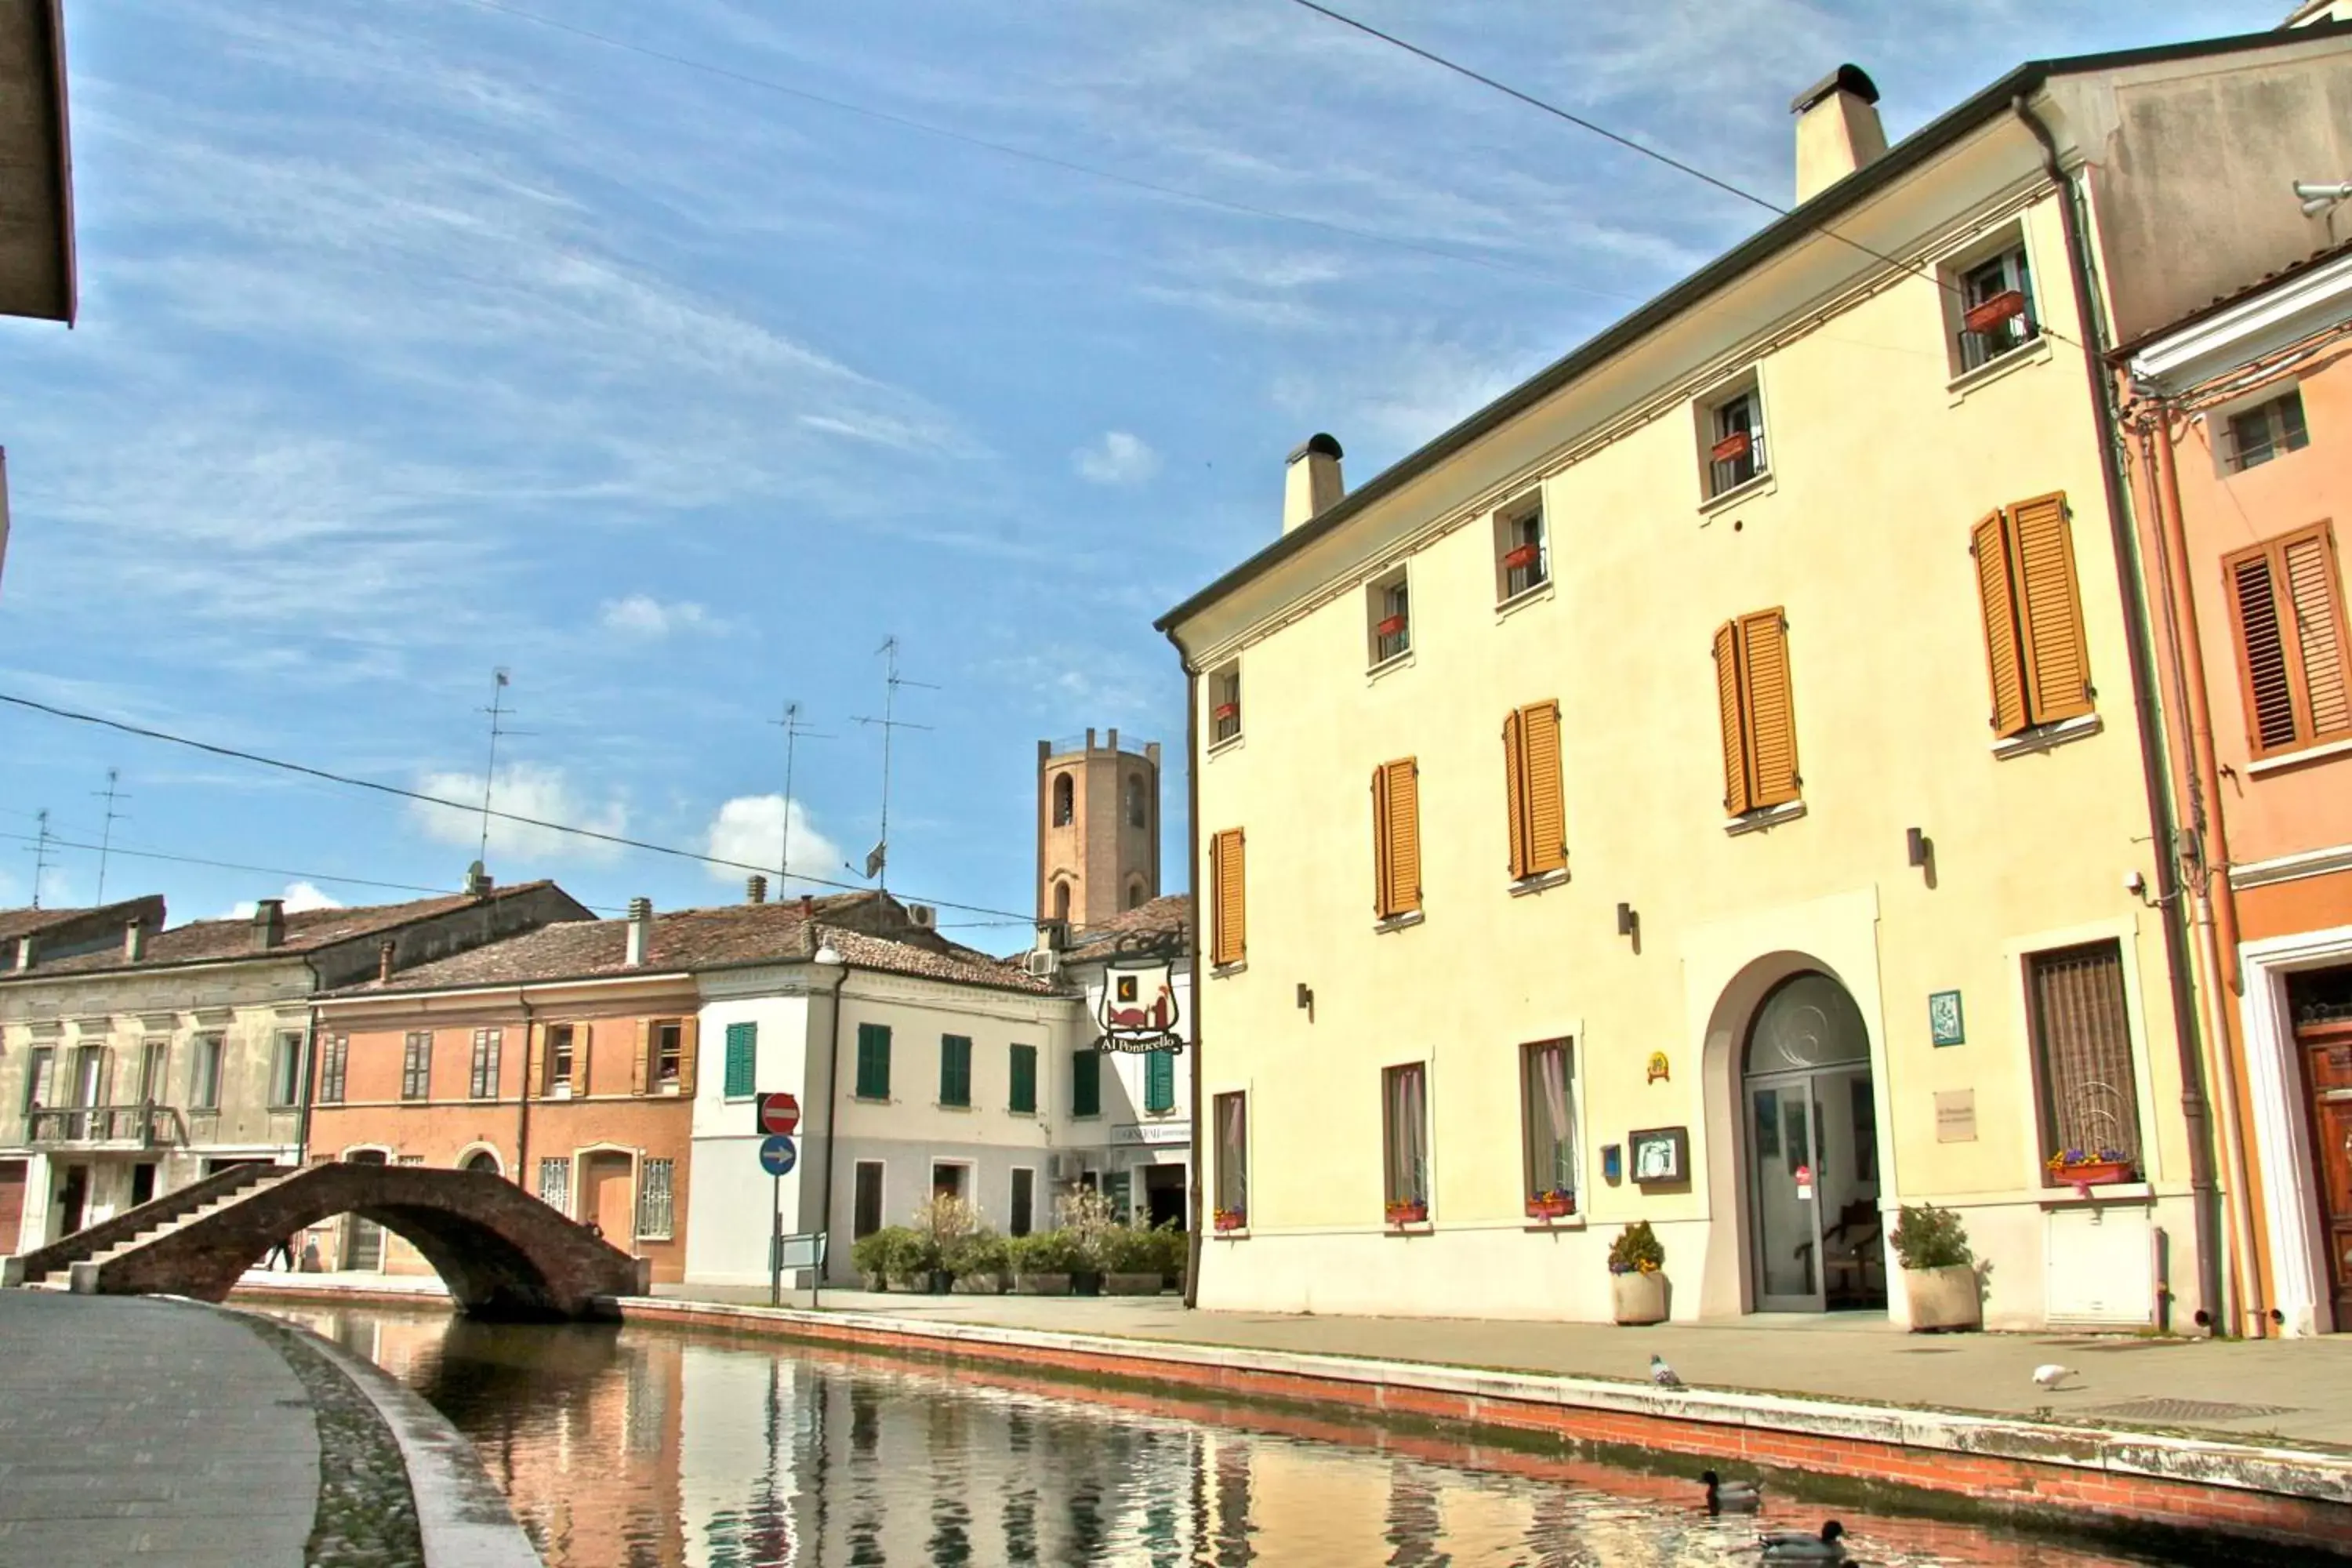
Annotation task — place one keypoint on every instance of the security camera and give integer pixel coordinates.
(2135, 884)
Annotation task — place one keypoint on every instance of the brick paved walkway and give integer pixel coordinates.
(147, 1432)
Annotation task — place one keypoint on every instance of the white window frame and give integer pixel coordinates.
(204, 1071)
(286, 1068)
(1707, 423)
(1388, 593)
(881, 1200)
(1224, 686)
(1510, 524)
(2222, 436)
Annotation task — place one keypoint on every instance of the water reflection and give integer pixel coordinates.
(650, 1449)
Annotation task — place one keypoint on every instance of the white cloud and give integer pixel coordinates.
(643, 615)
(301, 898)
(526, 789)
(1118, 458)
(748, 829)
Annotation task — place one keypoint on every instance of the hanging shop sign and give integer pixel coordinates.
(1138, 1010)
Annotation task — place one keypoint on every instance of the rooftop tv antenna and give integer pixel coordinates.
(878, 860)
(40, 854)
(499, 712)
(791, 725)
(106, 827)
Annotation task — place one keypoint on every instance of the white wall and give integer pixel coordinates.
(729, 1198)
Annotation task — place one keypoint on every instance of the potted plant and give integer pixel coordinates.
(1939, 1276)
(1042, 1263)
(1637, 1279)
(1173, 1244)
(942, 1224)
(1408, 1211)
(1551, 1203)
(1131, 1263)
(1089, 1218)
(1230, 1219)
(982, 1264)
(883, 1256)
(2084, 1169)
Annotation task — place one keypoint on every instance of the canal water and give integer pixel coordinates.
(646, 1447)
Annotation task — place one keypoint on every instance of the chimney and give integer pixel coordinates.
(641, 930)
(385, 953)
(1312, 486)
(1837, 130)
(269, 924)
(477, 881)
(755, 888)
(134, 940)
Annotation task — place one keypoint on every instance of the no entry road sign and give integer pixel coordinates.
(780, 1115)
(777, 1155)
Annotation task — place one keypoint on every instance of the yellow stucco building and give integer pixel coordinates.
(1714, 785)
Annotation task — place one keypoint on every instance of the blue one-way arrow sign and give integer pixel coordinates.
(778, 1155)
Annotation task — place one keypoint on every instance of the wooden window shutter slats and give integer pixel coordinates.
(2311, 580)
(1545, 829)
(1514, 794)
(534, 1059)
(2286, 602)
(689, 1050)
(640, 1071)
(1383, 890)
(579, 1036)
(2050, 610)
(1772, 716)
(1403, 794)
(1736, 799)
(1231, 941)
(2004, 651)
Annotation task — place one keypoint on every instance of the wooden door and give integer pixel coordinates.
(606, 1198)
(71, 1198)
(12, 1204)
(2327, 1071)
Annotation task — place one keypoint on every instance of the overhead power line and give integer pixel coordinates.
(235, 866)
(466, 807)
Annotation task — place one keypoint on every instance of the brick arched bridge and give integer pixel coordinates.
(502, 1253)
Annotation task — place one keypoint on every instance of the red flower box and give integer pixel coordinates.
(1551, 1207)
(1231, 1219)
(1226, 710)
(1391, 628)
(2106, 1172)
(2002, 307)
(1413, 1213)
(1732, 447)
(1524, 555)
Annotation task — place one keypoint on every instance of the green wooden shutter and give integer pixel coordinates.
(872, 1061)
(1024, 1080)
(1086, 1083)
(1159, 1081)
(742, 1054)
(955, 1069)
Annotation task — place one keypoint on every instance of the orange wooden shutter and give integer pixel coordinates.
(580, 1059)
(2271, 722)
(1401, 792)
(1515, 795)
(1228, 869)
(1772, 715)
(1737, 798)
(641, 1072)
(534, 1059)
(1989, 541)
(1547, 816)
(2049, 611)
(690, 1032)
(1382, 859)
(2315, 592)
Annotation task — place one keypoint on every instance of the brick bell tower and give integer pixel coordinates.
(1097, 828)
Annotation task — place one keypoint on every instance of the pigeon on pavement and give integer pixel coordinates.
(1662, 1374)
(2050, 1375)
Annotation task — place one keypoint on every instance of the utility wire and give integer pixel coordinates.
(466, 807)
(235, 866)
(1048, 160)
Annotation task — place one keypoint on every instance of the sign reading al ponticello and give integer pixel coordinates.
(1138, 1010)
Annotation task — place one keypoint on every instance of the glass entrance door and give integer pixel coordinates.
(1781, 1119)
(1811, 1135)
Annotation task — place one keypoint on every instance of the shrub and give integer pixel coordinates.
(1636, 1250)
(1929, 1237)
(1174, 1246)
(1046, 1252)
(1087, 1218)
(985, 1253)
(1126, 1250)
(886, 1253)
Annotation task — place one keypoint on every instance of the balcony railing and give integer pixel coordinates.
(145, 1126)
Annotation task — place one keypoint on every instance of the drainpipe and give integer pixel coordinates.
(832, 1117)
(310, 1066)
(522, 1101)
(2216, 906)
(2204, 1201)
(1192, 836)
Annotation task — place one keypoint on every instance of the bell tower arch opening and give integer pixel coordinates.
(1097, 827)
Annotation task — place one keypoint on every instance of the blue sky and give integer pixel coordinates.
(421, 338)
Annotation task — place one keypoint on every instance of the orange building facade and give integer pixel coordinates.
(2241, 446)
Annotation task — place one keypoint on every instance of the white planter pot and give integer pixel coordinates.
(1639, 1298)
(1943, 1297)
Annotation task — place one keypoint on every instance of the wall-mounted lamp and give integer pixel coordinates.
(2318, 196)
(1307, 1001)
(1915, 846)
(1629, 919)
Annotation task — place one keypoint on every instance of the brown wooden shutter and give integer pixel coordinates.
(580, 1059)
(1228, 871)
(1737, 798)
(1515, 795)
(534, 1059)
(2049, 611)
(1382, 891)
(1546, 818)
(2004, 654)
(2268, 689)
(1770, 712)
(641, 1071)
(1399, 794)
(689, 1034)
(2316, 590)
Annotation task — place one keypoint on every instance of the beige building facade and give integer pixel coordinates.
(1716, 785)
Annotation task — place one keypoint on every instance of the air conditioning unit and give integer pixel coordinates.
(925, 917)
(1043, 962)
(1067, 1168)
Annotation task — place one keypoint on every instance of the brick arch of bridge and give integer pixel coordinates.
(502, 1252)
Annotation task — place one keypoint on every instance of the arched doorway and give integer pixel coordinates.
(1815, 1236)
(480, 1160)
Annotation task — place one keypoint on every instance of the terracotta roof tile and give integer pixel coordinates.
(1170, 912)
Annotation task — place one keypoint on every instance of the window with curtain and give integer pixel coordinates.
(1229, 1113)
(2082, 1054)
(743, 1060)
(1160, 1082)
(1550, 1114)
(1023, 1095)
(872, 1061)
(1404, 1100)
(1086, 1083)
(955, 1069)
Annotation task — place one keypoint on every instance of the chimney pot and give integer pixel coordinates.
(1838, 129)
(386, 953)
(641, 930)
(808, 907)
(269, 924)
(1312, 485)
(134, 940)
(755, 888)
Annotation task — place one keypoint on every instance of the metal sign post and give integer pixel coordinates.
(777, 1157)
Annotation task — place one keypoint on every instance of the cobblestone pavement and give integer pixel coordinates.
(148, 1432)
